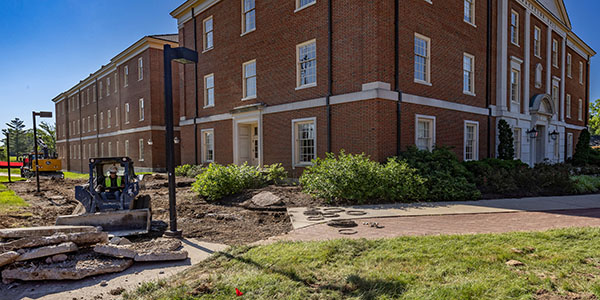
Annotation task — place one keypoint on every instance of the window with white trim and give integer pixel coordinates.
(515, 86)
(537, 42)
(580, 73)
(83, 124)
(568, 108)
(248, 16)
(569, 145)
(108, 119)
(425, 131)
(107, 86)
(422, 59)
(126, 113)
(517, 142)
(554, 53)
(304, 3)
(569, 65)
(96, 149)
(140, 68)
(101, 120)
(305, 141)
(208, 145)
(127, 148)
(118, 148)
(100, 90)
(209, 90)
(471, 149)
(468, 73)
(87, 95)
(557, 149)
(117, 117)
(306, 64)
(141, 149)
(90, 150)
(514, 27)
(116, 83)
(469, 11)
(555, 95)
(249, 80)
(102, 149)
(109, 149)
(141, 109)
(125, 76)
(580, 110)
(95, 122)
(207, 37)
(94, 93)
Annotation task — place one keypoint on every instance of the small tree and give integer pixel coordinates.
(583, 150)
(594, 122)
(506, 148)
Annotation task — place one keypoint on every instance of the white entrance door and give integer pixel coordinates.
(254, 152)
(244, 135)
(540, 144)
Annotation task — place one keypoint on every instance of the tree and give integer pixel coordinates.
(47, 133)
(19, 140)
(506, 148)
(594, 122)
(583, 150)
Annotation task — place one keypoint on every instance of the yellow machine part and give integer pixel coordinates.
(48, 165)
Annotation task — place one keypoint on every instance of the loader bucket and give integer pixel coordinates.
(117, 223)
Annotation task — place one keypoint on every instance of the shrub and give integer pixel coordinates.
(275, 173)
(446, 176)
(357, 178)
(584, 184)
(506, 149)
(182, 170)
(190, 171)
(217, 181)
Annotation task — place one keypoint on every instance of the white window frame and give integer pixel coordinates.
(476, 140)
(127, 148)
(94, 93)
(206, 33)
(207, 103)
(95, 122)
(109, 149)
(108, 118)
(300, 7)
(580, 72)
(514, 28)
(569, 65)
(125, 76)
(245, 15)
(140, 69)
(537, 43)
(87, 95)
(90, 150)
(108, 86)
(555, 95)
(127, 113)
(245, 79)
(141, 109)
(568, 106)
(427, 40)
(569, 145)
(555, 53)
(102, 149)
(141, 153)
(432, 120)
(517, 139)
(580, 109)
(295, 145)
(203, 141)
(117, 117)
(517, 93)
(101, 120)
(470, 91)
(469, 17)
(299, 84)
(116, 83)
(100, 90)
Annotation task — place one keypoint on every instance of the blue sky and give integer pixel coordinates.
(49, 45)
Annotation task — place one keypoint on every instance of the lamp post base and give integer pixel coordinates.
(173, 234)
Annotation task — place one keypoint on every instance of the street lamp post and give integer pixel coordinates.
(41, 114)
(185, 56)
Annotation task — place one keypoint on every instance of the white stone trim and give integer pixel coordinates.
(549, 61)
(120, 132)
(502, 56)
(414, 99)
(527, 60)
(577, 49)
(198, 9)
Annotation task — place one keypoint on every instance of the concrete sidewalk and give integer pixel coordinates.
(537, 204)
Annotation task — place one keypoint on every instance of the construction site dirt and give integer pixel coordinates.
(229, 221)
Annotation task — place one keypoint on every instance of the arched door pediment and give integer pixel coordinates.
(542, 104)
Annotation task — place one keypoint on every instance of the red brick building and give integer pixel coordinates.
(118, 110)
(286, 81)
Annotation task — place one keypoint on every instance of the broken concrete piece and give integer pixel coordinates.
(47, 251)
(59, 258)
(119, 241)
(80, 266)
(161, 256)
(265, 198)
(115, 251)
(514, 263)
(8, 258)
(82, 238)
(15, 233)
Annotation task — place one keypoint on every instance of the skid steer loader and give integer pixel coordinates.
(120, 214)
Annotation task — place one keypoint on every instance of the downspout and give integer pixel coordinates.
(196, 94)
(97, 129)
(397, 78)
(68, 131)
(488, 83)
(329, 71)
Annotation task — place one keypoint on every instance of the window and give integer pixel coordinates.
(300, 4)
(87, 95)
(248, 16)
(141, 108)
(118, 152)
(140, 68)
(580, 110)
(108, 86)
(554, 53)
(94, 94)
(537, 42)
(116, 83)
(208, 33)
(208, 145)
(101, 120)
(468, 76)
(425, 132)
(126, 147)
(95, 122)
(306, 64)
(422, 59)
(555, 96)
(96, 149)
(108, 119)
(514, 28)
(569, 145)
(249, 71)
(100, 91)
(580, 73)
(126, 76)
(209, 90)
(126, 113)
(470, 11)
(569, 65)
(82, 125)
(89, 123)
(102, 149)
(515, 86)
(517, 142)
(471, 141)
(141, 149)
(557, 149)
(117, 116)
(78, 127)
(305, 141)
(109, 149)
(568, 109)
(90, 150)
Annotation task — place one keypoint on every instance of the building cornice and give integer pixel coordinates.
(183, 13)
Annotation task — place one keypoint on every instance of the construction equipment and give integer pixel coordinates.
(48, 165)
(121, 214)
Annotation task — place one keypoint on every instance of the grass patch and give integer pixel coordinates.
(435, 267)
(73, 175)
(5, 179)
(15, 171)
(9, 200)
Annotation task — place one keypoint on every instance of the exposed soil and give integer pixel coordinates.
(545, 295)
(225, 221)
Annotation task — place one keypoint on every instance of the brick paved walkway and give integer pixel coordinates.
(452, 224)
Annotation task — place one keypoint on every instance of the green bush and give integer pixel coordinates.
(586, 184)
(446, 176)
(182, 170)
(217, 181)
(361, 180)
(190, 171)
(274, 173)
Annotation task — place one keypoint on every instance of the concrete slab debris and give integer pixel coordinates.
(80, 238)
(47, 251)
(115, 251)
(8, 257)
(15, 233)
(265, 198)
(161, 256)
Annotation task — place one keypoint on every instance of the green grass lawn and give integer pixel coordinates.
(73, 175)
(16, 171)
(556, 262)
(8, 199)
